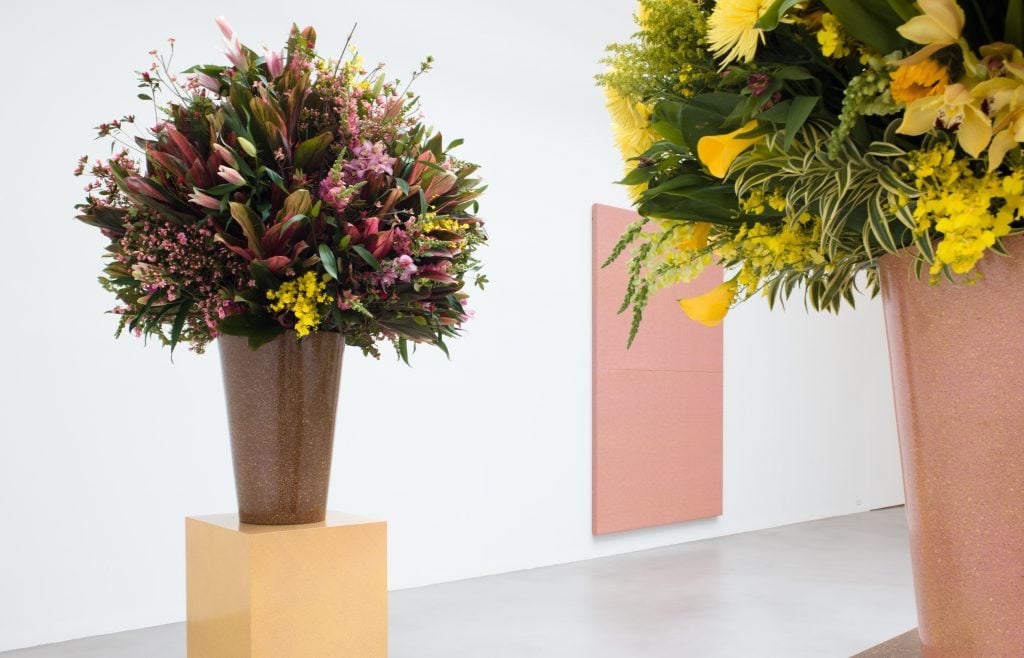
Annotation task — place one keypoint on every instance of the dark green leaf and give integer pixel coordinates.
(179, 323)
(258, 330)
(310, 153)
(798, 113)
(770, 18)
(329, 260)
(873, 22)
(370, 259)
(263, 277)
(1014, 30)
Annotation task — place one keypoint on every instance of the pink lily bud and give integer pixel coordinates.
(208, 81)
(225, 155)
(205, 200)
(275, 63)
(233, 50)
(225, 27)
(230, 175)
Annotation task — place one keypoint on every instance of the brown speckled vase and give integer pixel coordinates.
(282, 400)
(957, 354)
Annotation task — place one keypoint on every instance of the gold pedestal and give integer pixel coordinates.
(301, 591)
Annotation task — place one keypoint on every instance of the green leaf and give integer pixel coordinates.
(179, 323)
(403, 349)
(329, 260)
(684, 123)
(1014, 30)
(370, 259)
(904, 8)
(770, 18)
(309, 153)
(792, 73)
(799, 111)
(145, 97)
(873, 22)
(258, 330)
(263, 277)
(252, 226)
(638, 176)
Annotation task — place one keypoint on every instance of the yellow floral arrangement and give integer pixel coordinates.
(796, 141)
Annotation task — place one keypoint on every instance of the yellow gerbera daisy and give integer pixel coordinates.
(914, 81)
(732, 29)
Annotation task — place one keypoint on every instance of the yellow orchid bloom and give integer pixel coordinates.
(940, 25)
(710, 308)
(956, 109)
(1008, 107)
(717, 152)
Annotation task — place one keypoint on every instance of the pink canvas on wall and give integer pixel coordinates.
(657, 407)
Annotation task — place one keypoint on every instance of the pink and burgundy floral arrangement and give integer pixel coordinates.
(286, 191)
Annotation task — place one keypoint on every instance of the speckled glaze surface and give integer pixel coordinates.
(282, 400)
(958, 380)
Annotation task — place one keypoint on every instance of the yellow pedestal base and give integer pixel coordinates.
(301, 591)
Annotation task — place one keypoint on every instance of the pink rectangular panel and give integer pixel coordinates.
(657, 444)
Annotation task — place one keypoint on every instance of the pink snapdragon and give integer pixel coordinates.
(230, 175)
(407, 268)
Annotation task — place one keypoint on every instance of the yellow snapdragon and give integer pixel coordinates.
(305, 297)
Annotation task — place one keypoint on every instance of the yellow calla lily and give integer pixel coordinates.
(698, 239)
(939, 25)
(717, 152)
(710, 308)
(957, 109)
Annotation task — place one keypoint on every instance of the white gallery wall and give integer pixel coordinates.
(480, 464)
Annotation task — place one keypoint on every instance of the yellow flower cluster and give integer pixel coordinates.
(766, 249)
(832, 37)
(970, 212)
(631, 121)
(755, 202)
(432, 222)
(305, 297)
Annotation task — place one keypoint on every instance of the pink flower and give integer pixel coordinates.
(368, 158)
(406, 267)
(230, 175)
(225, 27)
(225, 155)
(208, 81)
(205, 200)
(233, 50)
(275, 63)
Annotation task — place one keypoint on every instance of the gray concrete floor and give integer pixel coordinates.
(829, 588)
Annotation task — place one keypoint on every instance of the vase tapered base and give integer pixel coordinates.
(907, 645)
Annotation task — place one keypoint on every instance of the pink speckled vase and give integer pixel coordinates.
(957, 354)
